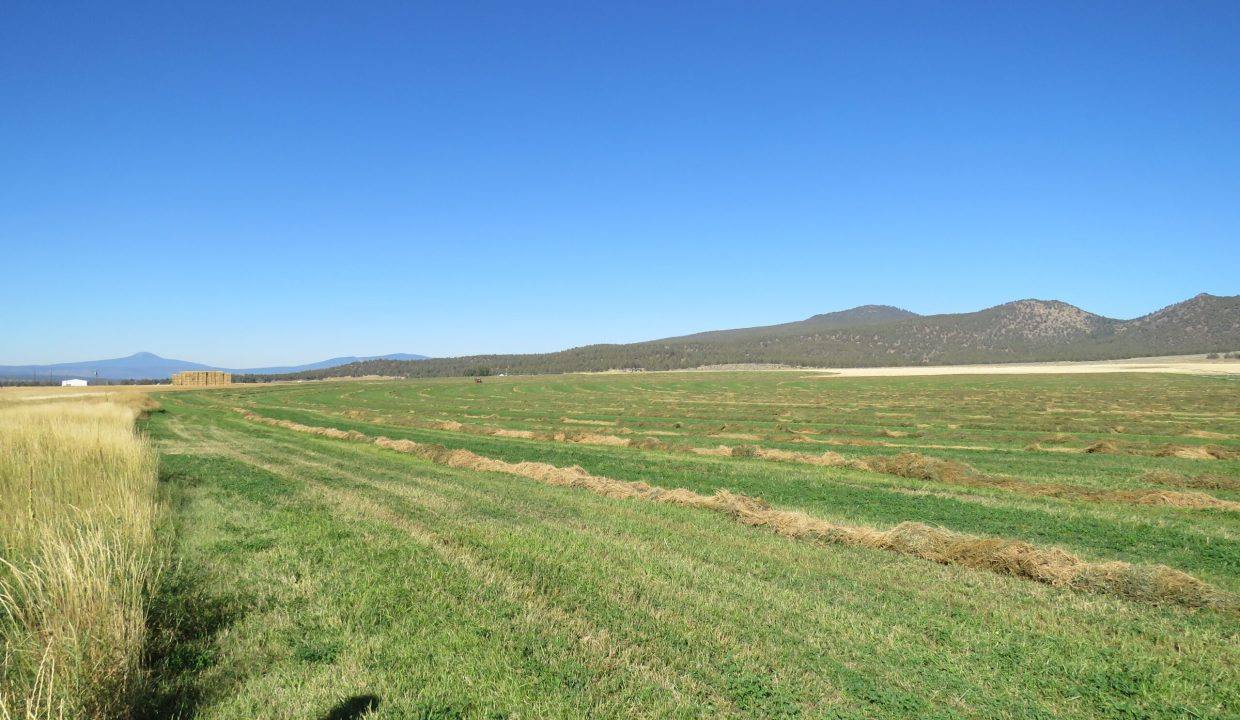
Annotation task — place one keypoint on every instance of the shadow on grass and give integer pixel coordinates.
(184, 616)
(182, 623)
(353, 708)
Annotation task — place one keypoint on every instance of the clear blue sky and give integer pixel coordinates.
(245, 186)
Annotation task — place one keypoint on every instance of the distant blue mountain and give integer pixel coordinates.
(146, 365)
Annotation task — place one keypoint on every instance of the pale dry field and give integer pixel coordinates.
(1177, 364)
(123, 394)
(1186, 365)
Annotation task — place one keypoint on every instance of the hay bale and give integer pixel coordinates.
(202, 378)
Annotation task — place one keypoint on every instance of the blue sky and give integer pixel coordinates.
(246, 186)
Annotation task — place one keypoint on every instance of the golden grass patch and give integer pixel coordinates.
(78, 509)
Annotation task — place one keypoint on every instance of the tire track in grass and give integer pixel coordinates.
(613, 657)
(678, 598)
(462, 611)
(617, 658)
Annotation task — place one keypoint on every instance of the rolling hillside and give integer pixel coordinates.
(858, 316)
(876, 335)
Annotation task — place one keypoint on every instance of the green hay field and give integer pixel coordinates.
(315, 575)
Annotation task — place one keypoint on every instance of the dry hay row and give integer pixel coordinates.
(573, 436)
(1016, 558)
(1186, 452)
(1200, 482)
(1052, 444)
(311, 429)
(908, 465)
(921, 467)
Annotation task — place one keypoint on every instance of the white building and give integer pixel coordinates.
(73, 383)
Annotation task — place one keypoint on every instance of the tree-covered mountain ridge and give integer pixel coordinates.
(875, 336)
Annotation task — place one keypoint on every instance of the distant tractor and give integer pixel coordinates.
(75, 382)
(202, 378)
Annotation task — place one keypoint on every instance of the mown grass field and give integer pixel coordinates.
(318, 573)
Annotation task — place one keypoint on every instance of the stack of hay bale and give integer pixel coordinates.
(202, 378)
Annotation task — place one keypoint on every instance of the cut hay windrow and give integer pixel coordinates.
(921, 467)
(569, 436)
(914, 465)
(1016, 558)
(505, 432)
(1208, 435)
(910, 465)
(593, 439)
(1197, 452)
(1184, 452)
(311, 429)
(583, 438)
(1200, 482)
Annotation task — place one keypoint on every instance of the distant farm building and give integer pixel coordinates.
(73, 383)
(202, 378)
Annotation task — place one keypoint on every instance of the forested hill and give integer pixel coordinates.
(870, 336)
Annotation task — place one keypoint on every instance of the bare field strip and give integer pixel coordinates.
(456, 549)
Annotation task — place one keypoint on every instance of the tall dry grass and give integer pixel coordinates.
(78, 509)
